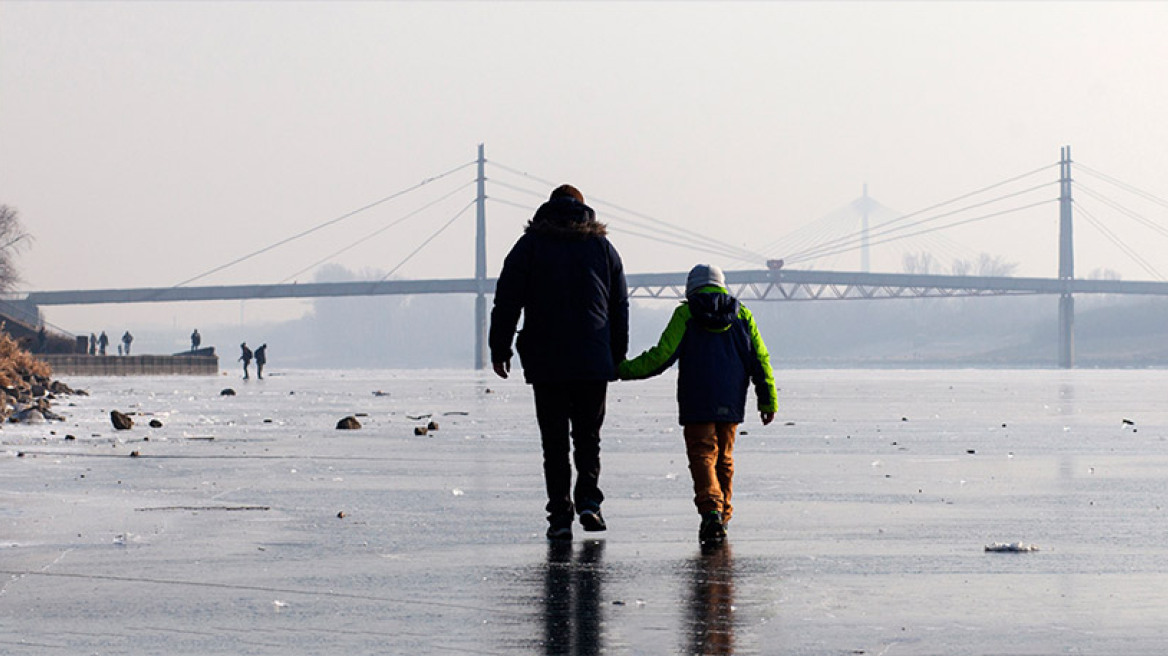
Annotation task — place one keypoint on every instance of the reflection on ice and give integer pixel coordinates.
(573, 584)
(711, 602)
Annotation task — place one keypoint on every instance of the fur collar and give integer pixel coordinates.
(566, 218)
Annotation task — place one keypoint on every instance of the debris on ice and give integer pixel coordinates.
(1010, 547)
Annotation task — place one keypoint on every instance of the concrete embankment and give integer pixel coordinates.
(131, 365)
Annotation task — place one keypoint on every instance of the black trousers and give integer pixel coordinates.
(570, 416)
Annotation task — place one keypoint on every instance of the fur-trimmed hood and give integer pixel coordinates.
(566, 218)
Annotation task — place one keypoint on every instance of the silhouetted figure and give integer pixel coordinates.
(719, 351)
(127, 339)
(245, 356)
(42, 340)
(102, 343)
(567, 280)
(92, 344)
(261, 357)
(196, 339)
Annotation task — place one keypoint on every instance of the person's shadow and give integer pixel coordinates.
(572, 588)
(711, 602)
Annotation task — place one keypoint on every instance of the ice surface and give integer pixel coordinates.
(250, 525)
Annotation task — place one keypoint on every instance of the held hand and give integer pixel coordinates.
(502, 368)
(767, 417)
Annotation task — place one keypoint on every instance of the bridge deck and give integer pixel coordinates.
(748, 284)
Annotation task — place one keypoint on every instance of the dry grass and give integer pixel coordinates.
(16, 364)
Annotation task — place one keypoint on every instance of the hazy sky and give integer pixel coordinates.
(146, 143)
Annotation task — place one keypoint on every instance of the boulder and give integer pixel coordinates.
(348, 423)
(120, 421)
(30, 415)
(227, 391)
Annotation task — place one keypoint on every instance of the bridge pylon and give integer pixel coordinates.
(1066, 334)
(481, 266)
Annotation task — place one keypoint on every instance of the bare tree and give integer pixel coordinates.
(920, 263)
(986, 265)
(13, 238)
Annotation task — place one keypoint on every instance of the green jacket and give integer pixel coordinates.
(719, 352)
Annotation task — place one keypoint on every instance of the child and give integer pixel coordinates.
(716, 343)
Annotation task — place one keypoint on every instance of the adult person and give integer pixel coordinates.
(568, 281)
(92, 344)
(261, 358)
(127, 339)
(102, 343)
(245, 357)
(196, 339)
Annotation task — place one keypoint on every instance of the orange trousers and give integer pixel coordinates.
(710, 448)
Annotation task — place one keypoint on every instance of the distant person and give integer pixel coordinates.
(42, 340)
(245, 356)
(261, 358)
(127, 339)
(196, 339)
(92, 344)
(568, 281)
(719, 352)
(102, 343)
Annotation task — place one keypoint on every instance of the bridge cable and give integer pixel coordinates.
(694, 247)
(813, 233)
(962, 197)
(1136, 216)
(743, 254)
(325, 224)
(529, 192)
(380, 230)
(503, 201)
(1122, 185)
(856, 239)
(430, 238)
(950, 225)
(1127, 250)
(884, 229)
(633, 233)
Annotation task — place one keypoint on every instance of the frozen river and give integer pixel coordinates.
(248, 524)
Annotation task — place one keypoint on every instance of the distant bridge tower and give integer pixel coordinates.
(1066, 344)
(481, 266)
(865, 263)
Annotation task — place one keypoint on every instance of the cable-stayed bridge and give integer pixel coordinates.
(777, 280)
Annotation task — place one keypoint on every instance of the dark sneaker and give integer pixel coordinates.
(592, 520)
(559, 533)
(711, 529)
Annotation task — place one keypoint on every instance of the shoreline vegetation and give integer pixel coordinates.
(28, 385)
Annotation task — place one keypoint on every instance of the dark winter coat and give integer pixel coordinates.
(569, 283)
(719, 352)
